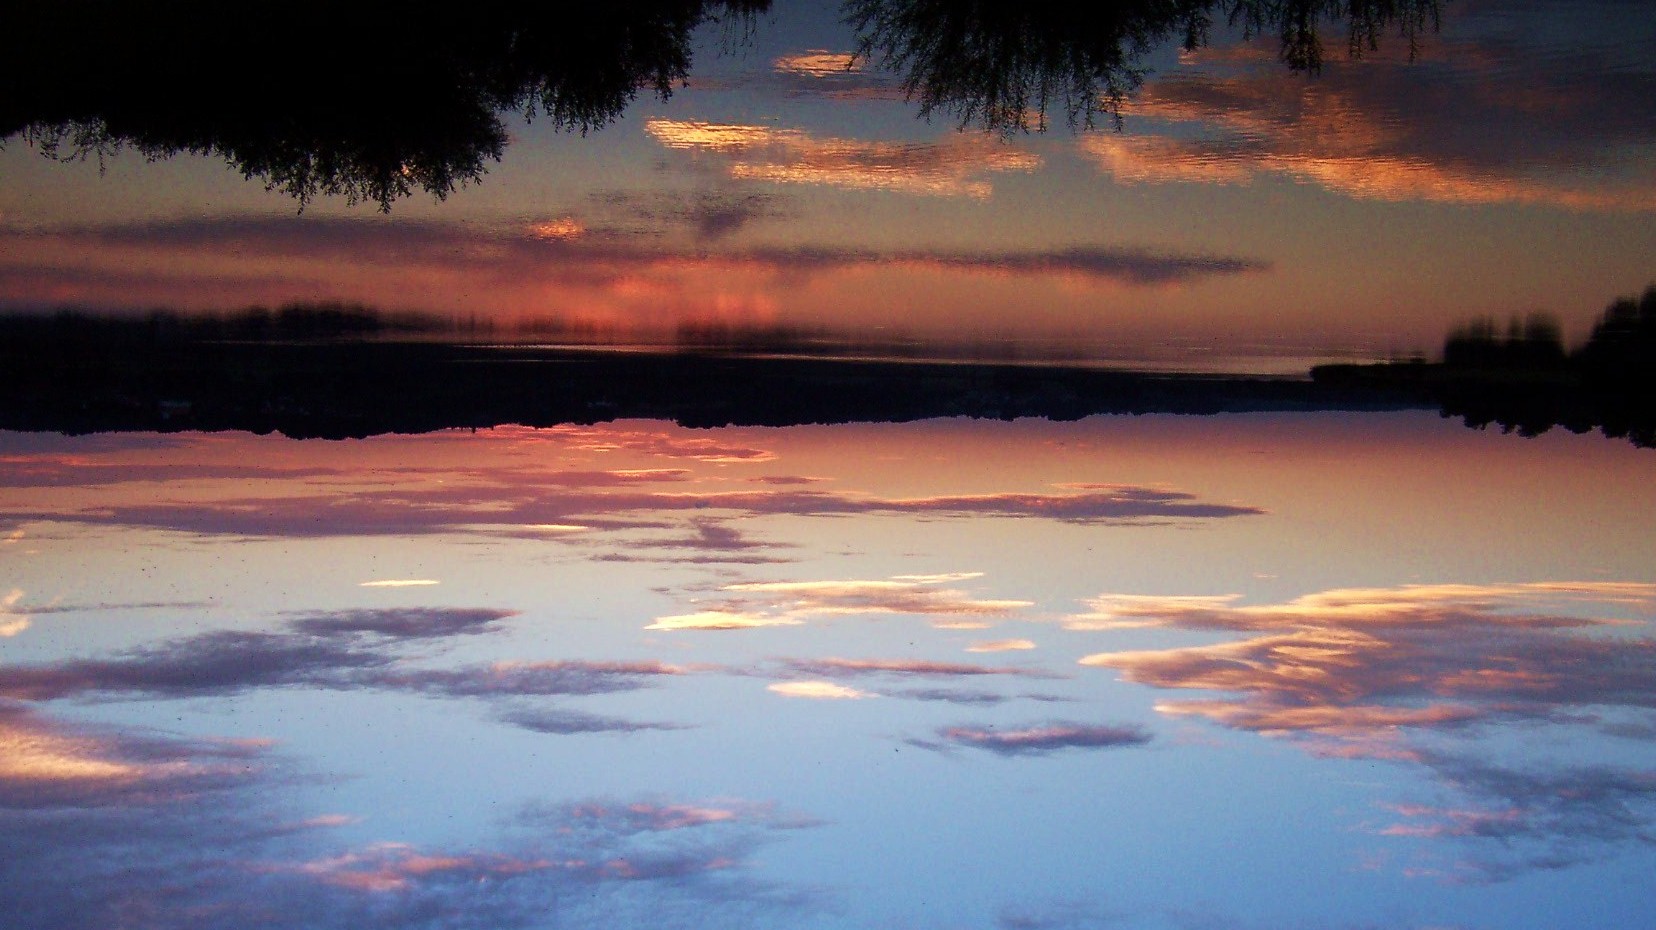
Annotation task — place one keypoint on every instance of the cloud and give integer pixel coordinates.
(785, 479)
(1366, 672)
(1356, 660)
(787, 603)
(339, 650)
(104, 826)
(567, 722)
(45, 764)
(388, 867)
(710, 535)
(219, 662)
(720, 620)
(523, 678)
(1040, 739)
(695, 448)
(400, 623)
(1524, 819)
(1000, 645)
(818, 72)
(1456, 126)
(537, 503)
(708, 215)
(922, 668)
(178, 262)
(73, 470)
(12, 621)
(954, 167)
(817, 63)
(952, 696)
(894, 595)
(819, 690)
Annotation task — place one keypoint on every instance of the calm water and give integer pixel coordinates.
(1162, 672)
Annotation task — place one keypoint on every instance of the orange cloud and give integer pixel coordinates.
(954, 167)
(563, 228)
(1346, 133)
(817, 63)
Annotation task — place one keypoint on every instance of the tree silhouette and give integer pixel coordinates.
(362, 100)
(1001, 66)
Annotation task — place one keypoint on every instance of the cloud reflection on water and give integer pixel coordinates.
(1415, 675)
(106, 828)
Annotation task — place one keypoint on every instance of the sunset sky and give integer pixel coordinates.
(1243, 210)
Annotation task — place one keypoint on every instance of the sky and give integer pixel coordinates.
(1154, 673)
(1241, 210)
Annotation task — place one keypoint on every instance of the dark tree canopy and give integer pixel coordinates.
(363, 100)
(1001, 66)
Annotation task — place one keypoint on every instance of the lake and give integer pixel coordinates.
(1244, 670)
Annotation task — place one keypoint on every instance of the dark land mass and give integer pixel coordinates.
(1522, 378)
(340, 371)
(341, 390)
(1528, 402)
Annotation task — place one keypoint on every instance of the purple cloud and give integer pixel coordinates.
(1038, 739)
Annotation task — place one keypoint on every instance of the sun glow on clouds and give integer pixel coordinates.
(950, 168)
(818, 690)
(562, 229)
(1349, 136)
(817, 63)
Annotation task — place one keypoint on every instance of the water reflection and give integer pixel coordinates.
(407, 682)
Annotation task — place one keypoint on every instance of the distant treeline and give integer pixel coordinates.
(1534, 342)
(95, 333)
(1620, 350)
(290, 323)
(1521, 377)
